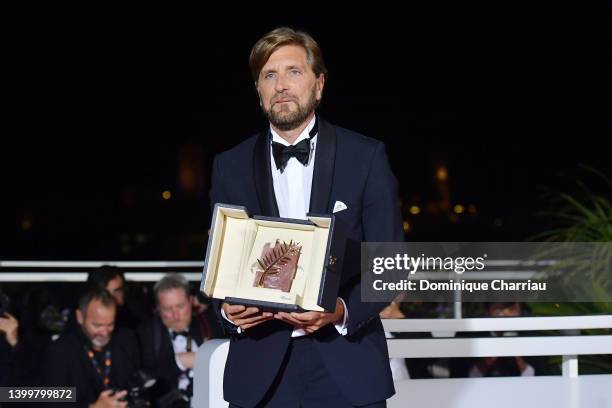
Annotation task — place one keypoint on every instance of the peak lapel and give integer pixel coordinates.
(262, 175)
(323, 173)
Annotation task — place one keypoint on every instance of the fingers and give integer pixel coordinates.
(307, 317)
(232, 309)
(311, 329)
(117, 396)
(253, 319)
(288, 318)
(120, 394)
(106, 393)
(249, 311)
(310, 322)
(256, 322)
(236, 312)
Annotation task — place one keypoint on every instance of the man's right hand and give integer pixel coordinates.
(245, 317)
(110, 399)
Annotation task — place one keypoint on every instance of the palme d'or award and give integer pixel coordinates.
(272, 263)
(278, 266)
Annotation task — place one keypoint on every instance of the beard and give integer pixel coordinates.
(286, 120)
(100, 341)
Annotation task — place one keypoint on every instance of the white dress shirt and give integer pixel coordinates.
(292, 187)
(292, 190)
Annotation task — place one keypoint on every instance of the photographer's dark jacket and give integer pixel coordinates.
(66, 364)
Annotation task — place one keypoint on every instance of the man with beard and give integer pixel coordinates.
(96, 359)
(301, 163)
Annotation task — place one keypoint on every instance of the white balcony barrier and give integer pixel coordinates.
(567, 391)
(76, 271)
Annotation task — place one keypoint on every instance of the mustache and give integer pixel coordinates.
(282, 97)
(100, 341)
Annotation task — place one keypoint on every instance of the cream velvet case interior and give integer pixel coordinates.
(272, 263)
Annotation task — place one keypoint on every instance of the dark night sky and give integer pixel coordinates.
(514, 95)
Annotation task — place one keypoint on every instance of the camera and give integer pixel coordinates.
(138, 384)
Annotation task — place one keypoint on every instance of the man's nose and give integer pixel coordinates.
(281, 83)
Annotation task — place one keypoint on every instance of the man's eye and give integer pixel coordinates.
(295, 72)
(269, 76)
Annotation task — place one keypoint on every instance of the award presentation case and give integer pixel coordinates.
(304, 257)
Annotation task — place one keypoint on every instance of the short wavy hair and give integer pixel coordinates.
(95, 293)
(171, 281)
(270, 42)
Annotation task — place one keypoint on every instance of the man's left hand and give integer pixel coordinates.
(310, 322)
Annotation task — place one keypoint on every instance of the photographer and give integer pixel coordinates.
(168, 341)
(97, 359)
(9, 339)
(19, 352)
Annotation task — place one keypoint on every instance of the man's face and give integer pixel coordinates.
(98, 323)
(288, 88)
(175, 309)
(116, 289)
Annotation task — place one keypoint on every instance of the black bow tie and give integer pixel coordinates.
(282, 153)
(300, 151)
(181, 333)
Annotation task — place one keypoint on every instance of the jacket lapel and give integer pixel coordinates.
(322, 177)
(262, 175)
(323, 174)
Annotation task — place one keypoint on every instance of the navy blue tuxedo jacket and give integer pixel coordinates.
(348, 167)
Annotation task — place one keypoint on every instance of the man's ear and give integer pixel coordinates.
(79, 317)
(320, 85)
(258, 94)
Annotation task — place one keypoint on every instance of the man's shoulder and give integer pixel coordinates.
(65, 351)
(354, 138)
(124, 333)
(353, 141)
(124, 339)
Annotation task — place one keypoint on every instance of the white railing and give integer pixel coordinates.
(566, 391)
(569, 347)
(72, 271)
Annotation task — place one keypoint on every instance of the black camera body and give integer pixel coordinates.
(137, 390)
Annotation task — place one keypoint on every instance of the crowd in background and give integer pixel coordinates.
(115, 350)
